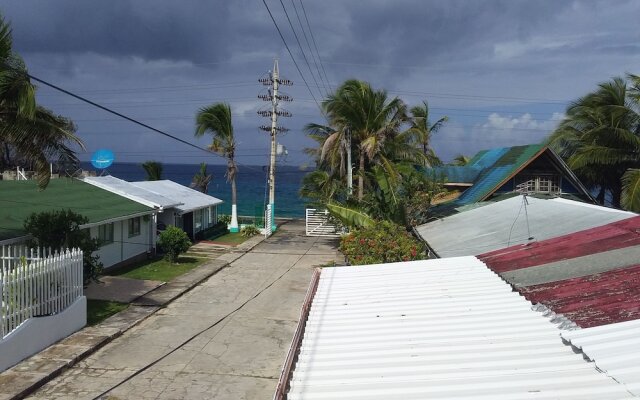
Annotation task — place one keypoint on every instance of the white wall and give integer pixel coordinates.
(38, 333)
(123, 246)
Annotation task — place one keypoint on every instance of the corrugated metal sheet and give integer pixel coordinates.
(455, 174)
(189, 199)
(592, 276)
(436, 329)
(504, 223)
(498, 165)
(131, 192)
(614, 348)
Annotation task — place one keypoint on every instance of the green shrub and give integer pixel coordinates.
(173, 241)
(383, 242)
(225, 218)
(60, 230)
(249, 231)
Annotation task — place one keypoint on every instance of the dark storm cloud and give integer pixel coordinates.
(464, 57)
(120, 28)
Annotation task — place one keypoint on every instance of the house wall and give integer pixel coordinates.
(124, 247)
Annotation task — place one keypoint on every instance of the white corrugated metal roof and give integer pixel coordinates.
(614, 348)
(504, 223)
(436, 329)
(190, 199)
(131, 192)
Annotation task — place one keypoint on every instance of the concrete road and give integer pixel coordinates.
(225, 339)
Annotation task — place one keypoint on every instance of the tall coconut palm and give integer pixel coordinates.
(216, 120)
(600, 138)
(422, 130)
(30, 135)
(153, 170)
(368, 116)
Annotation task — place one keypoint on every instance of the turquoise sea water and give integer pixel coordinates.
(251, 183)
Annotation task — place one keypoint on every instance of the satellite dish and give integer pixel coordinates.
(102, 158)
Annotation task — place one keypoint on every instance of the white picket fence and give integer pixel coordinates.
(32, 284)
(318, 223)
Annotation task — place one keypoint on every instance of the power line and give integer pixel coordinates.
(304, 56)
(291, 54)
(326, 89)
(315, 44)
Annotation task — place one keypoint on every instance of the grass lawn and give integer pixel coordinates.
(99, 310)
(160, 269)
(231, 239)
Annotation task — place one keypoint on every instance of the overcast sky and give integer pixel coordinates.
(502, 70)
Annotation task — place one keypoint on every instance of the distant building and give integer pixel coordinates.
(535, 168)
(125, 227)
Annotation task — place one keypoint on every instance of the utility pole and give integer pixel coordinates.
(274, 97)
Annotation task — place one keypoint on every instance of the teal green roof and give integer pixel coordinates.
(18, 199)
(456, 174)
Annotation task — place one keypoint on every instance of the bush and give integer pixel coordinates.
(173, 241)
(60, 230)
(249, 231)
(383, 242)
(225, 218)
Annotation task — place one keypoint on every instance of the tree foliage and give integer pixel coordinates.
(202, 179)
(600, 139)
(31, 136)
(60, 230)
(153, 170)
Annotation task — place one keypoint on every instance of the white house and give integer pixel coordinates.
(178, 205)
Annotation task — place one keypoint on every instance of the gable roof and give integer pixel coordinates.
(488, 170)
(446, 328)
(490, 226)
(19, 199)
(131, 191)
(188, 198)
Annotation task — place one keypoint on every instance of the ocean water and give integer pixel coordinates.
(251, 183)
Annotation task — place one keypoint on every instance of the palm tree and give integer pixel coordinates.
(153, 170)
(202, 179)
(29, 134)
(461, 160)
(368, 117)
(216, 120)
(600, 138)
(422, 129)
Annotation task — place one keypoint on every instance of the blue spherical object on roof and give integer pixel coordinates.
(102, 158)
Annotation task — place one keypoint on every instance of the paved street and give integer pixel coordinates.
(237, 326)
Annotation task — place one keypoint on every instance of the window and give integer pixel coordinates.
(542, 183)
(134, 226)
(197, 220)
(105, 233)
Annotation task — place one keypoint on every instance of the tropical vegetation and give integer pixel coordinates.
(61, 230)
(600, 139)
(202, 179)
(31, 136)
(173, 241)
(383, 243)
(153, 170)
(390, 146)
(216, 120)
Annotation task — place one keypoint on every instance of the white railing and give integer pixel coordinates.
(318, 223)
(31, 286)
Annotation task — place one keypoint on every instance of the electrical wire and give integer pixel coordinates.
(315, 45)
(291, 55)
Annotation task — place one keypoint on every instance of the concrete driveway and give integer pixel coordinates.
(225, 339)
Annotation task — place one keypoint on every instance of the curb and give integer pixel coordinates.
(30, 374)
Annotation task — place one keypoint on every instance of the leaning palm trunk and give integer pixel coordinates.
(361, 177)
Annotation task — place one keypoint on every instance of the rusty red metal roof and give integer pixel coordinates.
(612, 295)
(612, 236)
